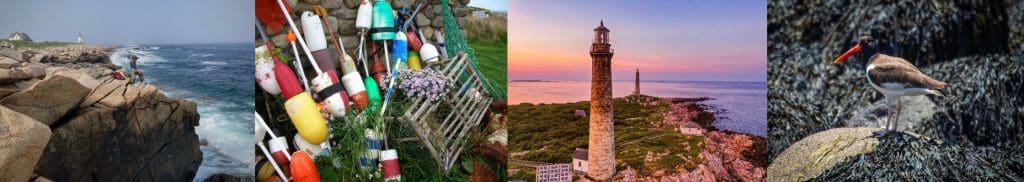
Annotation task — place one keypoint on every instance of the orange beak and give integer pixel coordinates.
(848, 53)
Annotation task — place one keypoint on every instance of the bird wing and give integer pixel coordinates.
(898, 70)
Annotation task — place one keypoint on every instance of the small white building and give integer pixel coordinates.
(692, 129)
(554, 173)
(579, 161)
(580, 113)
(19, 36)
(481, 13)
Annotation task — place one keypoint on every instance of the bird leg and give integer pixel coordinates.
(899, 109)
(888, 118)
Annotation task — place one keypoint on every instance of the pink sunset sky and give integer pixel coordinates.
(666, 40)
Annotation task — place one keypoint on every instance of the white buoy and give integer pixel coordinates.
(265, 71)
(365, 15)
(313, 30)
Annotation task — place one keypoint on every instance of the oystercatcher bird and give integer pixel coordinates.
(894, 77)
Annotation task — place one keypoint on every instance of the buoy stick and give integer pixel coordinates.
(269, 131)
(302, 41)
(391, 86)
(298, 61)
(387, 57)
(362, 54)
(266, 153)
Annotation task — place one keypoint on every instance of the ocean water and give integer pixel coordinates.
(218, 78)
(738, 106)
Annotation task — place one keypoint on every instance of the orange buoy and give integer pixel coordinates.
(303, 168)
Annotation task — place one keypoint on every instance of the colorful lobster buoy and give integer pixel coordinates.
(299, 105)
(428, 53)
(352, 80)
(414, 61)
(413, 40)
(265, 71)
(373, 92)
(327, 85)
(383, 21)
(401, 48)
(279, 150)
(303, 168)
(364, 15)
(316, 41)
(379, 73)
(440, 44)
(389, 165)
(265, 170)
(375, 142)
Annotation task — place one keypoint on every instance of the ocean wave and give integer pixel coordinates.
(122, 55)
(200, 55)
(154, 47)
(213, 63)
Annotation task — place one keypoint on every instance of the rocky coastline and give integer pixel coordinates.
(727, 155)
(64, 118)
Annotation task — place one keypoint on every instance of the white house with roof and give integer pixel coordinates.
(19, 36)
(692, 129)
(579, 161)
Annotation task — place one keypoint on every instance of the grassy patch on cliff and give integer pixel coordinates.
(23, 44)
(550, 133)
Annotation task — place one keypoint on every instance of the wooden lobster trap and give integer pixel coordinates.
(442, 126)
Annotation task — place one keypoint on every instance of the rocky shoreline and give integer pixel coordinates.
(728, 156)
(66, 119)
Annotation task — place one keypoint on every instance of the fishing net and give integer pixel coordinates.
(455, 42)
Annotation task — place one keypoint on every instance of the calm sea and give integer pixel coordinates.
(738, 106)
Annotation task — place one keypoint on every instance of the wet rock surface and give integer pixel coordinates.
(967, 44)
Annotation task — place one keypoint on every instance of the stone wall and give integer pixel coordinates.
(342, 19)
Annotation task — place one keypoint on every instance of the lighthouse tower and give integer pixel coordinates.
(637, 90)
(601, 154)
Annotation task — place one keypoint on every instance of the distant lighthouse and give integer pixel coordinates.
(637, 90)
(80, 41)
(601, 154)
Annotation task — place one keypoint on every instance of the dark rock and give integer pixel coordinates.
(124, 132)
(228, 178)
(22, 144)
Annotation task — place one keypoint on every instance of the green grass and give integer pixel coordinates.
(23, 44)
(492, 57)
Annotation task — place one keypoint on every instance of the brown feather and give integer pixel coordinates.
(893, 69)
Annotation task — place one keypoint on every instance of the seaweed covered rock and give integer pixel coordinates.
(856, 154)
(961, 42)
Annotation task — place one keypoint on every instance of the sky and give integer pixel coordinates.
(667, 40)
(122, 22)
(495, 5)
